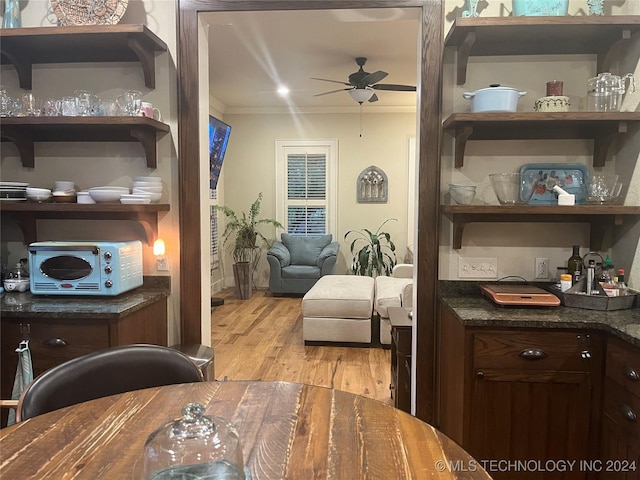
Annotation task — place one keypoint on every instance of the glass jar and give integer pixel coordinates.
(196, 447)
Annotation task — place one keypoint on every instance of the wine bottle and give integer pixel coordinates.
(575, 265)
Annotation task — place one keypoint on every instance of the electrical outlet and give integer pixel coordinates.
(542, 268)
(478, 267)
(162, 265)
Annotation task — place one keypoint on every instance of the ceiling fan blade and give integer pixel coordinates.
(374, 77)
(374, 98)
(391, 86)
(332, 91)
(332, 81)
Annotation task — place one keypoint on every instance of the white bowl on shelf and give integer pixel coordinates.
(136, 198)
(110, 188)
(105, 195)
(150, 186)
(154, 196)
(148, 179)
(38, 194)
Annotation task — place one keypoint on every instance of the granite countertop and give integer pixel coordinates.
(26, 305)
(474, 310)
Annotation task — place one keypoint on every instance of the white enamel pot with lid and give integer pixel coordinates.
(495, 98)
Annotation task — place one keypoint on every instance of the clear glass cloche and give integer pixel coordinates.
(195, 447)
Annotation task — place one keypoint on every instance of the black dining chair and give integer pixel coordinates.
(103, 373)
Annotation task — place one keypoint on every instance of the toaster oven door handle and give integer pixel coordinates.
(64, 248)
(55, 343)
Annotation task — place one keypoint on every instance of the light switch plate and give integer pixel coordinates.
(478, 267)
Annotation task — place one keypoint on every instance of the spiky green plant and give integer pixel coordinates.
(242, 230)
(378, 254)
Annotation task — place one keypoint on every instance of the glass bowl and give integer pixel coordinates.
(462, 194)
(602, 188)
(512, 188)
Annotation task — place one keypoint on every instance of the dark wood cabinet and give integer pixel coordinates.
(400, 387)
(620, 442)
(54, 340)
(520, 394)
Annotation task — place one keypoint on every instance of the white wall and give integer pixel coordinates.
(94, 164)
(516, 245)
(249, 168)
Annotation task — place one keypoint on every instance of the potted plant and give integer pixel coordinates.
(242, 231)
(377, 256)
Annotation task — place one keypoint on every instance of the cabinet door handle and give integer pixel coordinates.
(533, 354)
(480, 374)
(55, 343)
(631, 374)
(628, 413)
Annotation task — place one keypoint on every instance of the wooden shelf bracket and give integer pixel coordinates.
(462, 133)
(23, 141)
(147, 60)
(148, 140)
(464, 51)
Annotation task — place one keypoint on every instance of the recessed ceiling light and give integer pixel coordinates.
(283, 91)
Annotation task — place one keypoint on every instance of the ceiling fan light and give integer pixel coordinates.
(361, 95)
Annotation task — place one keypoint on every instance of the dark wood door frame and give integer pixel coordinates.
(426, 257)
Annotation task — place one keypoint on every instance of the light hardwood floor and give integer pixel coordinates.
(261, 339)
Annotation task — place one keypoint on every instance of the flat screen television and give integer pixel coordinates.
(218, 139)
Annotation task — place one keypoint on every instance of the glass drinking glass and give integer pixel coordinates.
(69, 107)
(129, 102)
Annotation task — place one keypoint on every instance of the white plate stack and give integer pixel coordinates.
(145, 188)
(13, 191)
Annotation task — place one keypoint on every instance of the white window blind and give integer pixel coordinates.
(305, 197)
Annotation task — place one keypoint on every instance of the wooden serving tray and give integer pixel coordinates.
(519, 295)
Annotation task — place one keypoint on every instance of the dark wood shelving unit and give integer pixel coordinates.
(25, 131)
(602, 127)
(602, 218)
(562, 35)
(25, 47)
(26, 214)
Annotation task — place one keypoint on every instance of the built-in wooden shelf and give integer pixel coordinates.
(26, 215)
(25, 131)
(561, 35)
(602, 218)
(601, 127)
(25, 47)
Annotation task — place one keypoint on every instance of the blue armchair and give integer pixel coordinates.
(297, 263)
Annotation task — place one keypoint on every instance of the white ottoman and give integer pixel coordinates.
(338, 308)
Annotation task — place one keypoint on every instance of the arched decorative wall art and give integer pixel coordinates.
(372, 186)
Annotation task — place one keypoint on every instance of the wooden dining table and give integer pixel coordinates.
(287, 431)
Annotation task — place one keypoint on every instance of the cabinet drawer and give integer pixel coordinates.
(623, 408)
(548, 350)
(52, 344)
(623, 365)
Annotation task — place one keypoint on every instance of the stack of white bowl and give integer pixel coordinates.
(143, 187)
(38, 194)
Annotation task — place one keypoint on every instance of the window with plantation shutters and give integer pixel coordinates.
(305, 190)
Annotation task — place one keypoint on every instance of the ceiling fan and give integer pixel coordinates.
(362, 85)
